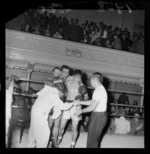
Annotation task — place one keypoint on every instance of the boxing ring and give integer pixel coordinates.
(108, 141)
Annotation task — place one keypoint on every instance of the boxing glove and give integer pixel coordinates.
(82, 90)
(79, 97)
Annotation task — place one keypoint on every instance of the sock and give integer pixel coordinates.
(72, 143)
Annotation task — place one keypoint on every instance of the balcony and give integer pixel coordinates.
(45, 52)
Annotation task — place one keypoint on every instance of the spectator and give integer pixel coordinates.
(65, 29)
(140, 46)
(53, 25)
(26, 28)
(104, 35)
(78, 31)
(108, 44)
(73, 31)
(112, 110)
(123, 99)
(131, 112)
(57, 35)
(134, 44)
(136, 124)
(30, 91)
(127, 110)
(116, 44)
(122, 125)
(94, 35)
(135, 103)
(86, 39)
(42, 22)
(97, 42)
(47, 31)
(37, 30)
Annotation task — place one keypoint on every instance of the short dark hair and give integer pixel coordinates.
(77, 72)
(99, 75)
(65, 67)
(55, 68)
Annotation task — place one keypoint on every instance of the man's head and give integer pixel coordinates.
(96, 79)
(56, 72)
(65, 72)
(61, 88)
(77, 75)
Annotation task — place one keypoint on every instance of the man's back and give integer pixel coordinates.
(122, 125)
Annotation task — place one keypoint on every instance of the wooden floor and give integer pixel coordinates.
(109, 140)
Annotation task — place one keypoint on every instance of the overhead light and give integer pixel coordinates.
(56, 5)
(119, 7)
(130, 11)
(101, 4)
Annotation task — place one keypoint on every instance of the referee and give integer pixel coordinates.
(97, 106)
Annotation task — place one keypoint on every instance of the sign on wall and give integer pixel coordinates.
(73, 52)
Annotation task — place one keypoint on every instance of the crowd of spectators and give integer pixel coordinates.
(23, 101)
(89, 32)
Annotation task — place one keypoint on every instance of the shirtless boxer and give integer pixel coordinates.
(75, 91)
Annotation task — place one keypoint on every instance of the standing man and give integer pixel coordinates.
(75, 91)
(97, 106)
(48, 98)
(123, 99)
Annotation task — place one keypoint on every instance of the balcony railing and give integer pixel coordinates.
(44, 51)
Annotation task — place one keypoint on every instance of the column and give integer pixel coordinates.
(29, 71)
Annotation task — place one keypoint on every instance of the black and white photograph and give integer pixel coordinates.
(86, 59)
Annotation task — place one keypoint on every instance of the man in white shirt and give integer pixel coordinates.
(48, 98)
(122, 125)
(97, 106)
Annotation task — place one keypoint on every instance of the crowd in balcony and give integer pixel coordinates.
(89, 32)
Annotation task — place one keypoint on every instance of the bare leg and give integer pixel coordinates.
(55, 130)
(74, 131)
(50, 124)
(61, 129)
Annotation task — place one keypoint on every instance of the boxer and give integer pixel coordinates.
(75, 91)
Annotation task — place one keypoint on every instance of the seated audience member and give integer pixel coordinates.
(108, 44)
(57, 35)
(97, 42)
(47, 31)
(137, 125)
(123, 99)
(116, 44)
(134, 44)
(86, 39)
(26, 28)
(30, 92)
(127, 110)
(140, 46)
(131, 112)
(112, 110)
(37, 30)
(135, 103)
(94, 35)
(122, 125)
